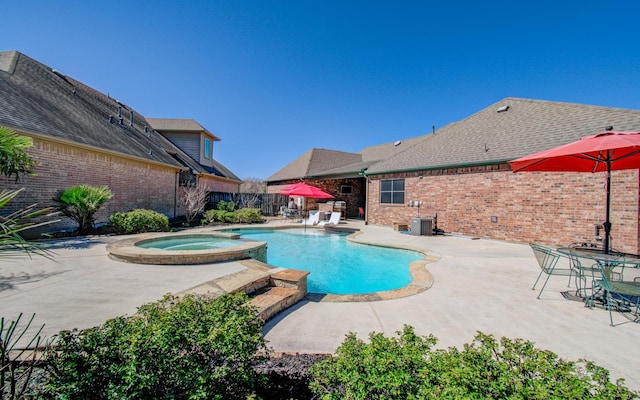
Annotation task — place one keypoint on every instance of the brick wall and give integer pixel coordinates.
(218, 185)
(550, 208)
(134, 184)
(353, 201)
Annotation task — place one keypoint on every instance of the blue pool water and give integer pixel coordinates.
(188, 243)
(337, 266)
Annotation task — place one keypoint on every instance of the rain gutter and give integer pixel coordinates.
(445, 166)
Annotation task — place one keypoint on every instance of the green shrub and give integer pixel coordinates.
(80, 203)
(138, 221)
(211, 216)
(226, 205)
(248, 216)
(192, 348)
(407, 367)
(225, 212)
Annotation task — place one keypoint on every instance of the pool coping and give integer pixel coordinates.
(422, 279)
(125, 250)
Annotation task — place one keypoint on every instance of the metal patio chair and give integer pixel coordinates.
(587, 276)
(548, 258)
(620, 281)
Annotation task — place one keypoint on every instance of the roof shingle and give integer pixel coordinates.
(489, 136)
(34, 98)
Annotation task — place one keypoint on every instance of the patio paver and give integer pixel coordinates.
(478, 285)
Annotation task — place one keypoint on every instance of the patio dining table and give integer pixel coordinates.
(606, 273)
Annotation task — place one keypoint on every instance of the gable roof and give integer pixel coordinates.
(386, 150)
(39, 100)
(314, 162)
(323, 163)
(490, 136)
(183, 125)
(179, 125)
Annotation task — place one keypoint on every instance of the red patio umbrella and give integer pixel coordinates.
(602, 152)
(304, 190)
(307, 191)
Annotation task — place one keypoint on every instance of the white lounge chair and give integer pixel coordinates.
(314, 218)
(334, 220)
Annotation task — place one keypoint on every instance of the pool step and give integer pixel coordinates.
(286, 287)
(272, 289)
(274, 300)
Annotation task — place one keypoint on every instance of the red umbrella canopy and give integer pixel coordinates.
(304, 190)
(602, 152)
(606, 151)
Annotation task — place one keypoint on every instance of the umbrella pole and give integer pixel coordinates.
(607, 223)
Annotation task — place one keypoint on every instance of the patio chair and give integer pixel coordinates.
(548, 258)
(621, 284)
(314, 218)
(587, 274)
(333, 220)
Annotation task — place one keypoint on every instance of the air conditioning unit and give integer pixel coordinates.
(422, 226)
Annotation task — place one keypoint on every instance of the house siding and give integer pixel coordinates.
(551, 208)
(187, 142)
(134, 184)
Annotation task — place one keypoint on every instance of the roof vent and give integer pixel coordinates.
(503, 109)
(397, 143)
(111, 118)
(60, 74)
(121, 121)
(120, 112)
(131, 118)
(609, 128)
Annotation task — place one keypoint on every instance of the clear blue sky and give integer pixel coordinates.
(274, 79)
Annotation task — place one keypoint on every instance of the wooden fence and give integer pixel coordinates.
(268, 203)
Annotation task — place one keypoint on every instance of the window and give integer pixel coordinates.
(187, 179)
(207, 148)
(346, 189)
(392, 191)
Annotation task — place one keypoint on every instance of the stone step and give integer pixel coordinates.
(274, 300)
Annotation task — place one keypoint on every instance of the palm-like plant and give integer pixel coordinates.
(13, 160)
(80, 203)
(12, 225)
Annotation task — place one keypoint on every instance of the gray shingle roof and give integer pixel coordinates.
(489, 136)
(313, 163)
(320, 163)
(178, 125)
(386, 150)
(34, 98)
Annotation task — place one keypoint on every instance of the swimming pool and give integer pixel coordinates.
(337, 266)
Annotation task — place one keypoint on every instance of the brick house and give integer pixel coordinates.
(82, 136)
(340, 173)
(461, 172)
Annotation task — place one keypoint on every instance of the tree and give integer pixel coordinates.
(12, 225)
(15, 162)
(13, 159)
(252, 185)
(17, 366)
(194, 199)
(81, 202)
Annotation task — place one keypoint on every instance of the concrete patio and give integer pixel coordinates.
(479, 285)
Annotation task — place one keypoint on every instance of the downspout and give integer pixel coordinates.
(175, 194)
(366, 197)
